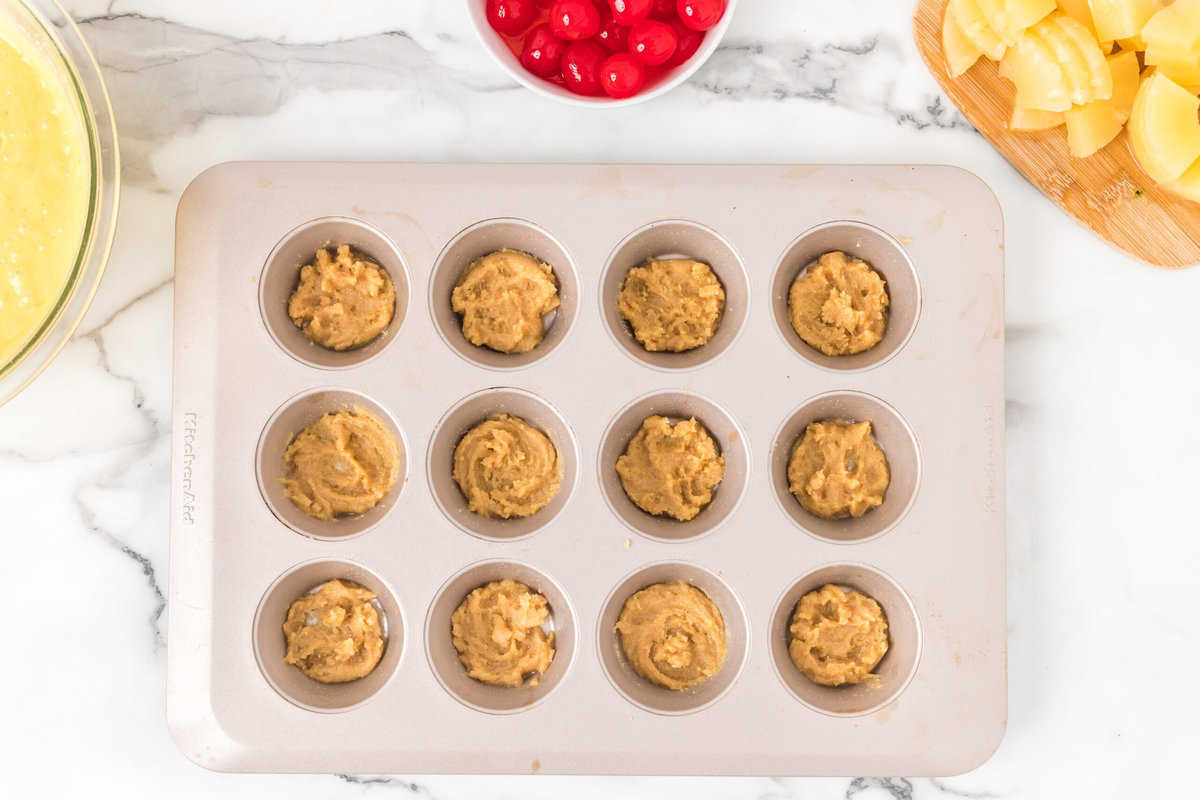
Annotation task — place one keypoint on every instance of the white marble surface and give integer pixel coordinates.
(1102, 372)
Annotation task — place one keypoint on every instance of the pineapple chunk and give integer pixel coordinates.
(1080, 11)
(1010, 18)
(1026, 119)
(1023, 14)
(1188, 184)
(1164, 129)
(1183, 74)
(1101, 79)
(1120, 19)
(961, 53)
(1126, 73)
(975, 27)
(1175, 31)
(1041, 82)
(1091, 127)
(1071, 61)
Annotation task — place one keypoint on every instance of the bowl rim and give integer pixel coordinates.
(77, 61)
(496, 48)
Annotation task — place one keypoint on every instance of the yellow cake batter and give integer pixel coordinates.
(334, 634)
(838, 636)
(342, 464)
(497, 631)
(45, 187)
(673, 635)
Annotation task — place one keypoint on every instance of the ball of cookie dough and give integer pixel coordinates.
(342, 302)
(838, 470)
(837, 637)
(341, 465)
(673, 305)
(506, 468)
(334, 634)
(839, 305)
(672, 635)
(497, 631)
(502, 298)
(671, 470)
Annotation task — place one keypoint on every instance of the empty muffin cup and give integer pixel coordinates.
(894, 671)
(675, 406)
(291, 418)
(894, 436)
(270, 645)
(281, 275)
(649, 696)
(885, 255)
(667, 239)
(487, 237)
(443, 657)
(465, 415)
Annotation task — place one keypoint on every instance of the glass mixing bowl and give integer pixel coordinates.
(48, 27)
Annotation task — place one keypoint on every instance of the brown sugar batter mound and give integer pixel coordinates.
(673, 305)
(498, 635)
(838, 470)
(506, 468)
(334, 634)
(502, 298)
(673, 635)
(839, 305)
(670, 469)
(342, 302)
(342, 464)
(838, 637)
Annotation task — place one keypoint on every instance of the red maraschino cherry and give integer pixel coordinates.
(543, 51)
(622, 76)
(653, 42)
(627, 12)
(700, 15)
(574, 20)
(581, 66)
(511, 17)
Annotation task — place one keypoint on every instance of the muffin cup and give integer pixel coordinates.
(676, 406)
(281, 276)
(449, 670)
(486, 237)
(894, 436)
(895, 670)
(650, 696)
(270, 644)
(292, 417)
(885, 255)
(465, 415)
(676, 239)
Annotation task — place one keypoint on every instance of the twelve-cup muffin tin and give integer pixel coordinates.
(932, 554)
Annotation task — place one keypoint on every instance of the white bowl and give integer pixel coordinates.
(512, 65)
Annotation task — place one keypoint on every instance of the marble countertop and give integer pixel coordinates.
(1102, 379)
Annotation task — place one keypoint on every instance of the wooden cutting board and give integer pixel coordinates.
(1109, 192)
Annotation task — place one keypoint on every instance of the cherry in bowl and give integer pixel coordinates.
(622, 75)
(574, 20)
(700, 15)
(511, 17)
